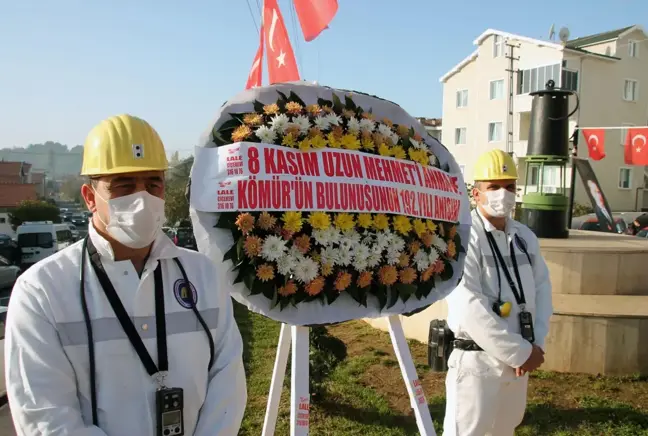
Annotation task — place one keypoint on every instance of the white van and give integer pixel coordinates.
(40, 239)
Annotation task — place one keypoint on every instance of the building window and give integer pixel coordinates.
(462, 98)
(535, 79)
(630, 90)
(569, 80)
(3, 220)
(460, 136)
(624, 132)
(498, 46)
(497, 89)
(633, 51)
(494, 132)
(625, 178)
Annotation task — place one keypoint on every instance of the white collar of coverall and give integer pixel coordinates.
(510, 229)
(163, 247)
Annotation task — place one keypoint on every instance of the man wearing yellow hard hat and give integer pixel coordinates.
(499, 313)
(124, 333)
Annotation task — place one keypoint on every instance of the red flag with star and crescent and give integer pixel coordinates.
(282, 66)
(256, 72)
(636, 146)
(595, 139)
(315, 16)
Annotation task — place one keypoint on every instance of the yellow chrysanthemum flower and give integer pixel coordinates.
(402, 224)
(271, 109)
(368, 144)
(350, 142)
(419, 156)
(364, 220)
(344, 221)
(305, 144)
(252, 119)
(319, 220)
(419, 227)
(384, 150)
(318, 141)
(292, 221)
(381, 222)
(241, 133)
(431, 226)
(293, 107)
(266, 221)
(398, 152)
(327, 269)
(333, 142)
(289, 140)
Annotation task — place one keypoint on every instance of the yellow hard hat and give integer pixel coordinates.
(495, 165)
(123, 144)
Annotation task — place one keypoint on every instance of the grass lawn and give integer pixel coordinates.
(366, 394)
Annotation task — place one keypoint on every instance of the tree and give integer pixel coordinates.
(34, 210)
(177, 205)
(71, 189)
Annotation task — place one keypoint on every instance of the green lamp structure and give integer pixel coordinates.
(545, 208)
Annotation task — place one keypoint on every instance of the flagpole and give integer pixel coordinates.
(615, 128)
(572, 183)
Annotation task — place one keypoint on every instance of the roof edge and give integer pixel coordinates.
(468, 59)
(507, 35)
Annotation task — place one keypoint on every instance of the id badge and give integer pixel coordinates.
(169, 405)
(526, 326)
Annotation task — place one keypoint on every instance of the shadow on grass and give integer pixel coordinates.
(374, 418)
(546, 419)
(244, 322)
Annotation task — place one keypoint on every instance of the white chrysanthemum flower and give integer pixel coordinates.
(352, 236)
(353, 125)
(302, 123)
(367, 125)
(266, 134)
(385, 130)
(417, 144)
(422, 261)
(329, 255)
(273, 248)
(333, 235)
(439, 243)
(321, 122)
(286, 265)
(279, 123)
(396, 242)
(433, 256)
(294, 252)
(395, 138)
(360, 265)
(344, 257)
(392, 257)
(374, 259)
(306, 270)
(433, 160)
(360, 253)
(321, 237)
(334, 119)
(383, 239)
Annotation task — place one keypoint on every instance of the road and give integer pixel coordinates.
(6, 426)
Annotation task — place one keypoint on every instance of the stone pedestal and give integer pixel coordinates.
(600, 295)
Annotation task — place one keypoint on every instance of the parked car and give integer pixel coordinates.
(40, 239)
(591, 223)
(9, 249)
(642, 234)
(8, 273)
(184, 238)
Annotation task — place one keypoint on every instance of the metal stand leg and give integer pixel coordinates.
(276, 385)
(412, 382)
(300, 395)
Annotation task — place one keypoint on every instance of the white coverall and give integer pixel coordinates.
(484, 396)
(46, 346)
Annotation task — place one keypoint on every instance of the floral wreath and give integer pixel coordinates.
(293, 257)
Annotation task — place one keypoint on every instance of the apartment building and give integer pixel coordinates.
(607, 70)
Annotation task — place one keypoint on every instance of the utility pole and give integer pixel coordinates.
(511, 85)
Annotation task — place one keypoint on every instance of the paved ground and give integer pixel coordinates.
(6, 426)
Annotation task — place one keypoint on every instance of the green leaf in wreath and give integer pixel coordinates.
(355, 292)
(392, 292)
(424, 289)
(447, 272)
(249, 277)
(337, 104)
(299, 297)
(331, 295)
(229, 126)
(258, 106)
(411, 132)
(267, 289)
(295, 98)
(321, 102)
(229, 255)
(405, 291)
(284, 302)
(240, 253)
(349, 104)
(226, 221)
(381, 294)
(283, 97)
(239, 276)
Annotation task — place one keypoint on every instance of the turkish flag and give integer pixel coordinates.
(595, 139)
(256, 72)
(636, 148)
(282, 66)
(315, 16)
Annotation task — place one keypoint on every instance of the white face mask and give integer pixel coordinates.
(135, 220)
(499, 203)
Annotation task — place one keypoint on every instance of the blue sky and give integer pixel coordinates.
(67, 64)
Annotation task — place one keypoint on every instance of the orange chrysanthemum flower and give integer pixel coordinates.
(315, 287)
(241, 133)
(286, 234)
(387, 275)
(452, 249)
(342, 281)
(327, 269)
(252, 246)
(337, 132)
(364, 279)
(271, 109)
(427, 239)
(438, 266)
(427, 274)
(407, 275)
(265, 272)
(293, 107)
(302, 243)
(404, 260)
(313, 132)
(346, 113)
(252, 119)
(245, 223)
(414, 247)
(388, 122)
(417, 137)
(288, 289)
(266, 221)
(452, 232)
(327, 109)
(368, 116)
(313, 109)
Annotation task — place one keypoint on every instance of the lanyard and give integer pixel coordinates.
(125, 320)
(499, 259)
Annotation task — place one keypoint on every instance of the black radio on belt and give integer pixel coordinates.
(526, 326)
(170, 420)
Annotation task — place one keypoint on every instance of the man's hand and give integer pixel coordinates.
(533, 362)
